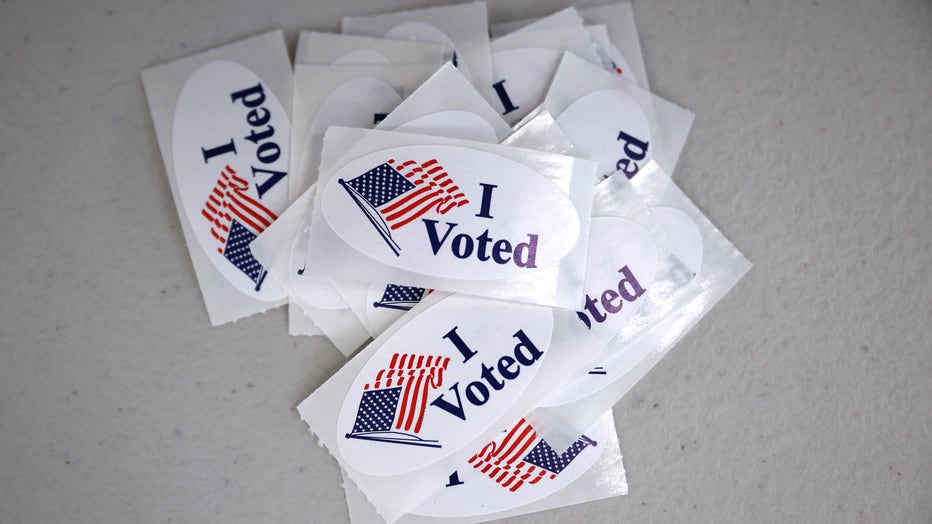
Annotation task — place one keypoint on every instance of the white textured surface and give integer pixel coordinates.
(805, 396)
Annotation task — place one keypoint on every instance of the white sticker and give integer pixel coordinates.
(450, 211)
(611, 128)
(517, 468)
(440, 381)
(229, 141)
(621, 267)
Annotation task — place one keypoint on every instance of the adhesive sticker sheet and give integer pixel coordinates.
(524, 63)
(460, 238)
(445, 105)
(590, 469)
(377, 304)
(222, 121)
(323, 49)
(614, 122)
(441, 382)
(718, 267)
(463, 28)
(326, 95)
(337, 49)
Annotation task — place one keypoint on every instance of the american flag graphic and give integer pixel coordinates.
(524, 458)
(396, 193)
(393, 404)
(235, 220)
(400, 297)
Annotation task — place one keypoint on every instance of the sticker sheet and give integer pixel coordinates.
(445, 105)
(614, 122)
(463, 28)
(449, 230)
(718, 267)
(222, 121)
(440, 383)
(590, 469)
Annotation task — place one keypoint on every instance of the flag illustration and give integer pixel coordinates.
(393, 405)
(524, 458)
(395, 193)
(235, 220)
(400, 297)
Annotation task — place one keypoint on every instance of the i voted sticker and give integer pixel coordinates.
(609, 127)
(439, 381)
(450, 211)
(516, 468)
(229, 143)
(621, 266)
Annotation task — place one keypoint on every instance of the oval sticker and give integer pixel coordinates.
(450, 211)
(610, 128)
(439, 381)
(230, 146)
(517, 468)
(621, 266)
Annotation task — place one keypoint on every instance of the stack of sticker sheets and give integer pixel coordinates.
(481, 218)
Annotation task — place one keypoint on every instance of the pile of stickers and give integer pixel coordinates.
(486, 226)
